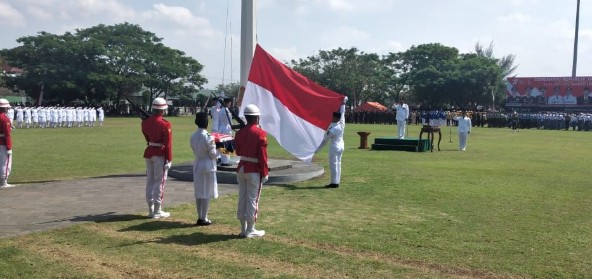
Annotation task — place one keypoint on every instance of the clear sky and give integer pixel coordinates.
(539, 32)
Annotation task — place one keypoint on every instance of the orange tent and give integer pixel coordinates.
(370, 106)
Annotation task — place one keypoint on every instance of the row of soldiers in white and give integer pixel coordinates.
(53, 117)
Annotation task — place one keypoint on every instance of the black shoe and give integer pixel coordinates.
(225, 165)
(201, 222)
(332, 185)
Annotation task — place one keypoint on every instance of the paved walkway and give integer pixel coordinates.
(28, 208)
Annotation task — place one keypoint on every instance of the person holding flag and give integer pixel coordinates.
(335, 135)
(225, 128)
(297, 110)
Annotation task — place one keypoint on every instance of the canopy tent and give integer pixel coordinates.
(370, 106)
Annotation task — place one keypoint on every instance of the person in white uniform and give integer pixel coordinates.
(42, 117)
(101, 115)
(19, 117)
(464, 129)
(335, 135)
(402, 116)
(224, 127)
(214, 112)
(34, 116)
(10, 114)
(27, 114)
(205, 183)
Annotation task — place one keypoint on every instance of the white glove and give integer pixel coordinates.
(345, 99)
(168, 165)
(264, 179)
(9, 152)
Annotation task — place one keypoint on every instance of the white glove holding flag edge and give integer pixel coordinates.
(264, 179)
(9, 152)
(345, 99)
(168, 165)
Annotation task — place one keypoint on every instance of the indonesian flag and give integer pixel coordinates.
(294, 110)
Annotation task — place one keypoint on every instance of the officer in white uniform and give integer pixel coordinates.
(464, 129)
(101, 115)
(224, 127)
(34, 116)
(42, 116)
(214, 112)
(335, 135)
(205, 183)
(402, 116)
(27, 114)
(19, 116)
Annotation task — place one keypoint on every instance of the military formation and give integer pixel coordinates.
(491, 119)
(25, 117)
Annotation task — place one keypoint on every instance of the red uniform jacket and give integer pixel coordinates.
(251, 141)
(157, 130)
(5, 129)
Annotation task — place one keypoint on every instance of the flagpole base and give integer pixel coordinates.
(280, 172)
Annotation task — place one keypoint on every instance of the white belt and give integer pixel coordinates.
(249, 159)
(155, 144)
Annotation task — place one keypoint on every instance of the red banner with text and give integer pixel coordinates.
(565, 91)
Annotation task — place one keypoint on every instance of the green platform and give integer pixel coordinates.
(408, 144)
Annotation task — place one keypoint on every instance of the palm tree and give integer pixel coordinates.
(506, 63)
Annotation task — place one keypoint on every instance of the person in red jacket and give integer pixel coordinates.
(158, 156)
(5, 144)
(250, 143)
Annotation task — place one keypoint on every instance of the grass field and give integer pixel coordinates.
(514, 205)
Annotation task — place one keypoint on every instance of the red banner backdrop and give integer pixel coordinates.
(550, 90)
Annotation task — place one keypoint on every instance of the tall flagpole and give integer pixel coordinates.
(247, 44)
(575, 54)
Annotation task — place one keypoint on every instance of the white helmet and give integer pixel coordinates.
(159, 103)
(4, 103)
(251, 110)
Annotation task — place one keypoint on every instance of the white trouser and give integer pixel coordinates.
(156, 176)
(249, 191)
(5, 163)
(401, 128)
(462, 140)
(202, 206)
(335, 154)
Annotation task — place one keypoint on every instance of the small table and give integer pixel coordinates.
(363, 140)
(430, 130)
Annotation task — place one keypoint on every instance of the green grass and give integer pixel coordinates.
(512, 205)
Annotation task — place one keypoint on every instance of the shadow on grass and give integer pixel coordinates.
(157, 225)
(121, 175)
(99, 218)
(294, 187)
(196, 238)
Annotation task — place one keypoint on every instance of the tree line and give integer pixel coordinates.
(110, 62)
(430, 75)
(104, 62)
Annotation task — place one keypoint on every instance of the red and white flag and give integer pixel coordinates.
(294, 110)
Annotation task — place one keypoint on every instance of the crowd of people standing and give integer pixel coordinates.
(491, 119)
(25, 117)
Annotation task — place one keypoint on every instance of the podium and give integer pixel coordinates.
(431, 130)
